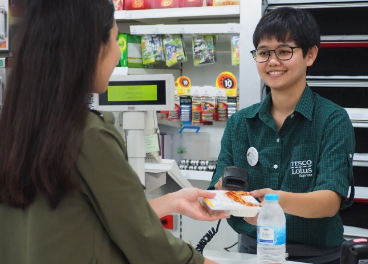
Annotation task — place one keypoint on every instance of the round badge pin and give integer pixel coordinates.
(252, 156)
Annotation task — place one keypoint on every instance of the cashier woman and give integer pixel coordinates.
(67, 192)
(294, 143)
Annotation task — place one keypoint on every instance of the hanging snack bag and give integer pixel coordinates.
(235, 50)
(174, 49)
(152, 50)
(204, 50)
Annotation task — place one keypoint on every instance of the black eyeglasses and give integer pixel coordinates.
(282, 53)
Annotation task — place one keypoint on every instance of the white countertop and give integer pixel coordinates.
(224, 257)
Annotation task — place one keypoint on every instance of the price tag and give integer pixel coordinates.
(183, 85)
(227, 81)
(181, 91)
(155, 30)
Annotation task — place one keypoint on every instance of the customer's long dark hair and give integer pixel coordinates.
(45, 108)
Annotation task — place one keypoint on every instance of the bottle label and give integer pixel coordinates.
(271, 235)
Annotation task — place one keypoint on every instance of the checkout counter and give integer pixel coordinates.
(224, 257)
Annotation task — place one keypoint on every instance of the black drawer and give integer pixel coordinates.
(341, 60)
(347, 97)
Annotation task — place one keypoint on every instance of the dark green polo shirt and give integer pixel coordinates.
(312, 151)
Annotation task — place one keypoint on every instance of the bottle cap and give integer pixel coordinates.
(272, 197)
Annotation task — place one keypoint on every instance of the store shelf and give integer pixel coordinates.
(188, 12)
(228, 28)
(316, 4)
(197, 175)
(168, 123)
(361, 159)
(361, 194)
(358, 115)
(361, 124)
(360, 41)
(337, 81)
(354, 232)
(142, 71)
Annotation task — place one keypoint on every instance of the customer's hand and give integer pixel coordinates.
(187, 203)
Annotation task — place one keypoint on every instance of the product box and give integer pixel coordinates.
(137, 4)
(175, 114)
(134, 52)
(222, 2)
(209, 109)
(165, 3)
(122, 42)
(186, 110)
(191, 3)
(196, 110)
(232, 203)
(222, 108)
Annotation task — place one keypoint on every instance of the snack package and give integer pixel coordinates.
(174, 49)
(135, 52)
(152, 50)
(122, 42)
(203, 50)
(232, 203)
(235, 50)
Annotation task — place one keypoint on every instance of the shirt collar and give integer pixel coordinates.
(305, 106)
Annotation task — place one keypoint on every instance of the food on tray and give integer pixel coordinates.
(232, 203)
(239, 197)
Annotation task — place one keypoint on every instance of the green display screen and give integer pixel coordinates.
(120, 93)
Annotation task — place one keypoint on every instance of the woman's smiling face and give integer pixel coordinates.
(284, 75)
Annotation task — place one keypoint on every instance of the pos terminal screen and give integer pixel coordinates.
(134, 93)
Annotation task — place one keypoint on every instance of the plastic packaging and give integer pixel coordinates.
(222, 203)
(203, 49)
(271, 232)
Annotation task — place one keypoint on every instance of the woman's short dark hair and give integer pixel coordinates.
(289, 24)
(46, 99)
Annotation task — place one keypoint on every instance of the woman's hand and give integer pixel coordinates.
(185, 202)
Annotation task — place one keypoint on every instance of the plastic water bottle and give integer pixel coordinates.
(271, 232)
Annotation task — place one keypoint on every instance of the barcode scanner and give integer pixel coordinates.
(235, 178)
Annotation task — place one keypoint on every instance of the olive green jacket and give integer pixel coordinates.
(107, 221)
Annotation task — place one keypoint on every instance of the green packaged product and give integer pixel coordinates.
(204, 50)
(122, 42)
(152, 50)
